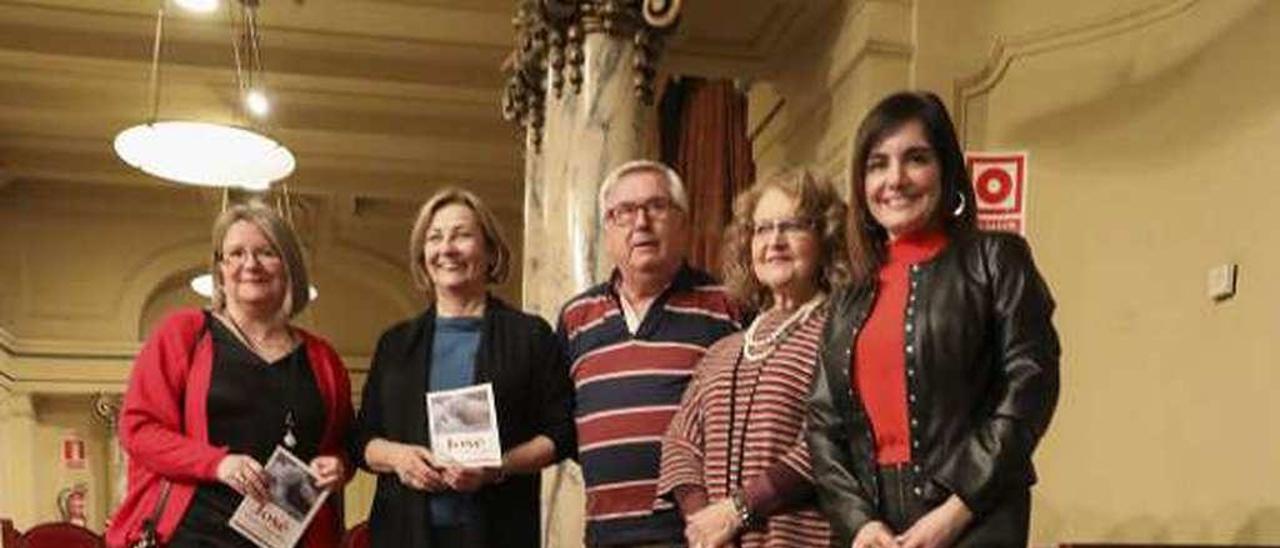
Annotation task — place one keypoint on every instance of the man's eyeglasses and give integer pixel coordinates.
(238, 257)
(624, 213)
(787, 227)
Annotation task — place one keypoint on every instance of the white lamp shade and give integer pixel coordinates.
(203, 285)
(205, 154)
(199, 6)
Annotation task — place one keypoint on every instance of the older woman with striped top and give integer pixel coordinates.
(734, 458)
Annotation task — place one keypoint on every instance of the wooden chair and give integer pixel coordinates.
(357, 537)
(60, 535)
(8, 534)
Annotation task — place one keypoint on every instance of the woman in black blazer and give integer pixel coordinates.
(466, 337)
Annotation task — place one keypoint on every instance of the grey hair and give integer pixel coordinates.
(675, 186)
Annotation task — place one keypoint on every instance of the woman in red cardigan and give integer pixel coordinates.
(213, 392)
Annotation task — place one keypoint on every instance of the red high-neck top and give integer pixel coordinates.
(879, 362)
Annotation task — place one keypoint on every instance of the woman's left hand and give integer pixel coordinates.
(466, 479)
(329, 470)
(712, 526)
(940, 527)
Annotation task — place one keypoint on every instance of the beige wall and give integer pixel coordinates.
(1149, 123)
(87, 270)
(32, 430)
(61, 416)
(1150, 126)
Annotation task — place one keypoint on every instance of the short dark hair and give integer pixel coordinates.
(866, 237)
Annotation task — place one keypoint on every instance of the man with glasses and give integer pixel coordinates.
(632, 343)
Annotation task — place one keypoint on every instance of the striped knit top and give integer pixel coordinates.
(627, 387)
(741, 426)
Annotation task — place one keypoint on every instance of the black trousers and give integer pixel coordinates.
(1004, 525)
(467, 535)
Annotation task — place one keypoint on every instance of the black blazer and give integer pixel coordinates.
(521, 356)
(982, 383)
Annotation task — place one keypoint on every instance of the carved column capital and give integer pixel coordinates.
(106, 408)
(550, 37)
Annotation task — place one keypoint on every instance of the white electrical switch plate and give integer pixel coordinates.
(1222, 282)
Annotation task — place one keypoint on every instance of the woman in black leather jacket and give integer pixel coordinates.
(939, 366)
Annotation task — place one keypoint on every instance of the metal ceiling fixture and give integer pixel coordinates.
(203, 153)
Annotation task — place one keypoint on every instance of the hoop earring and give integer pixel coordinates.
(959, 210)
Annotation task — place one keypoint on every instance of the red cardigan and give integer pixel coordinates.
(164, 428)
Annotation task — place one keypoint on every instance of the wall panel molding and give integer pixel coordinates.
(48, 366)
(971, 91)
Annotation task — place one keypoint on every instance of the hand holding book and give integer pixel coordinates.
(245, 476)
(466, 479)
(416, 467)
(328, 470)
(292, 498)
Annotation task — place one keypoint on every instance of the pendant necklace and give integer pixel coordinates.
(785, 328)
(289, 439)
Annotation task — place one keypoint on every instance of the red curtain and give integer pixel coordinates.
(704, 137)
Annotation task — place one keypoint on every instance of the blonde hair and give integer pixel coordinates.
(499, 253)
(282, 238)
(816, 200)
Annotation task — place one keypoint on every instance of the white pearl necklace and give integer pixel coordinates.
(770, 343)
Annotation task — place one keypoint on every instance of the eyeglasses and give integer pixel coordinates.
(240, 256)
(624, 213)
(787, 227)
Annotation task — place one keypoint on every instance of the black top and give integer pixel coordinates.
(247, 403)
(521, 356)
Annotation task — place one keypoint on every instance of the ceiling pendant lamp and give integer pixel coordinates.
(208, 154)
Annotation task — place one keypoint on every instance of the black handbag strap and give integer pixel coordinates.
(150, 524)
(150, 534)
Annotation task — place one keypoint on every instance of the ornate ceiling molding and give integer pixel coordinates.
(549, 46)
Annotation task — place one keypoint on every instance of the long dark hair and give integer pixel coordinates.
(866, 237)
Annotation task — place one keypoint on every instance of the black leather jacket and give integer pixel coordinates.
(982, 383)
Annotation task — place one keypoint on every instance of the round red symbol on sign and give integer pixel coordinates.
(993, 186)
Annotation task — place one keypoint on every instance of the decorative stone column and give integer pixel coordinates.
(17, 458)
(580, 87)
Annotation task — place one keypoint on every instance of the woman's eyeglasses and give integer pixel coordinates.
(240, 256)
(787, 227)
